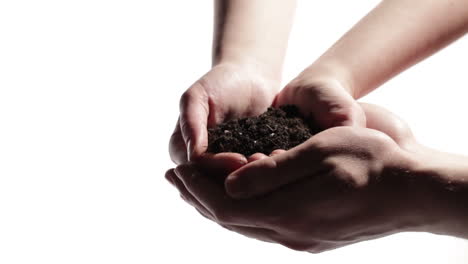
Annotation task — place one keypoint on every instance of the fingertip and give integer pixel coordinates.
(256, 178)
(180, 186)
(276, 152)
(197, 148)
(276, 101)
(236, 187)
(169, 176)
(222, 162)
(256, 156)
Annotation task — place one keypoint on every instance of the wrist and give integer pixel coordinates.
(253, 66)
(326, 71)
(440, 184)
(255, 31)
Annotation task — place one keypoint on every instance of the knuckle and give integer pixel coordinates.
(331, 163)
(185, 98)
(354, 179)
(319, 144)
(197, 91)
(342, 173)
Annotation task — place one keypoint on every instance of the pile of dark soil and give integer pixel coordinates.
(278, 128)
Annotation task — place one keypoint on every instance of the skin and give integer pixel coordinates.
(249, 45)
(375, 183)
(355, 183)
(395, 35)
(392, 37)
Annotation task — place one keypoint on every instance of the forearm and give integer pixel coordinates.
(254, 32)
(441, 180)
(391, 38)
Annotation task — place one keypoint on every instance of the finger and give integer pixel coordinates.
(381, 119)
(332, 105)
(190, 199)
(168, 176)
(222, 163)
(256, 156)
(355, 116)
(262, 234)
(276, 152)
(186, 195)
(340, 111)
(177, 148)
(270, 173)
(194, 112)
(213, 197)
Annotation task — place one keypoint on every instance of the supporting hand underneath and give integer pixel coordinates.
(344, 185)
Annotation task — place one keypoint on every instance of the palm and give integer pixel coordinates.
(236, 92)
(224, 93)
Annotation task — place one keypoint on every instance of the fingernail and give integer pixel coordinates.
(189, 150)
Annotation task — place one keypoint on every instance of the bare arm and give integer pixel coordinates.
(249, 45)
(442, 181)
(253, 31)
(392, 37)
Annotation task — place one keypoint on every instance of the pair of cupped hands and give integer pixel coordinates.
(333, 190)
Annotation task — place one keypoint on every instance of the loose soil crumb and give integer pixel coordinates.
(277, 128)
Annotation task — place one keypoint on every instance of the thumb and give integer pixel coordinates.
(381, 119)
(265, 175)
(343, 112)
(194, 112)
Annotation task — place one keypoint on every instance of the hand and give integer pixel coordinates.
(227, 91)
(266, 174)
(346, 184)
(326, 99)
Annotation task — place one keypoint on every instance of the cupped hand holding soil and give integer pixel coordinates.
(277, 128)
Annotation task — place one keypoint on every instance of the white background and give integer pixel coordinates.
(89, 96)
